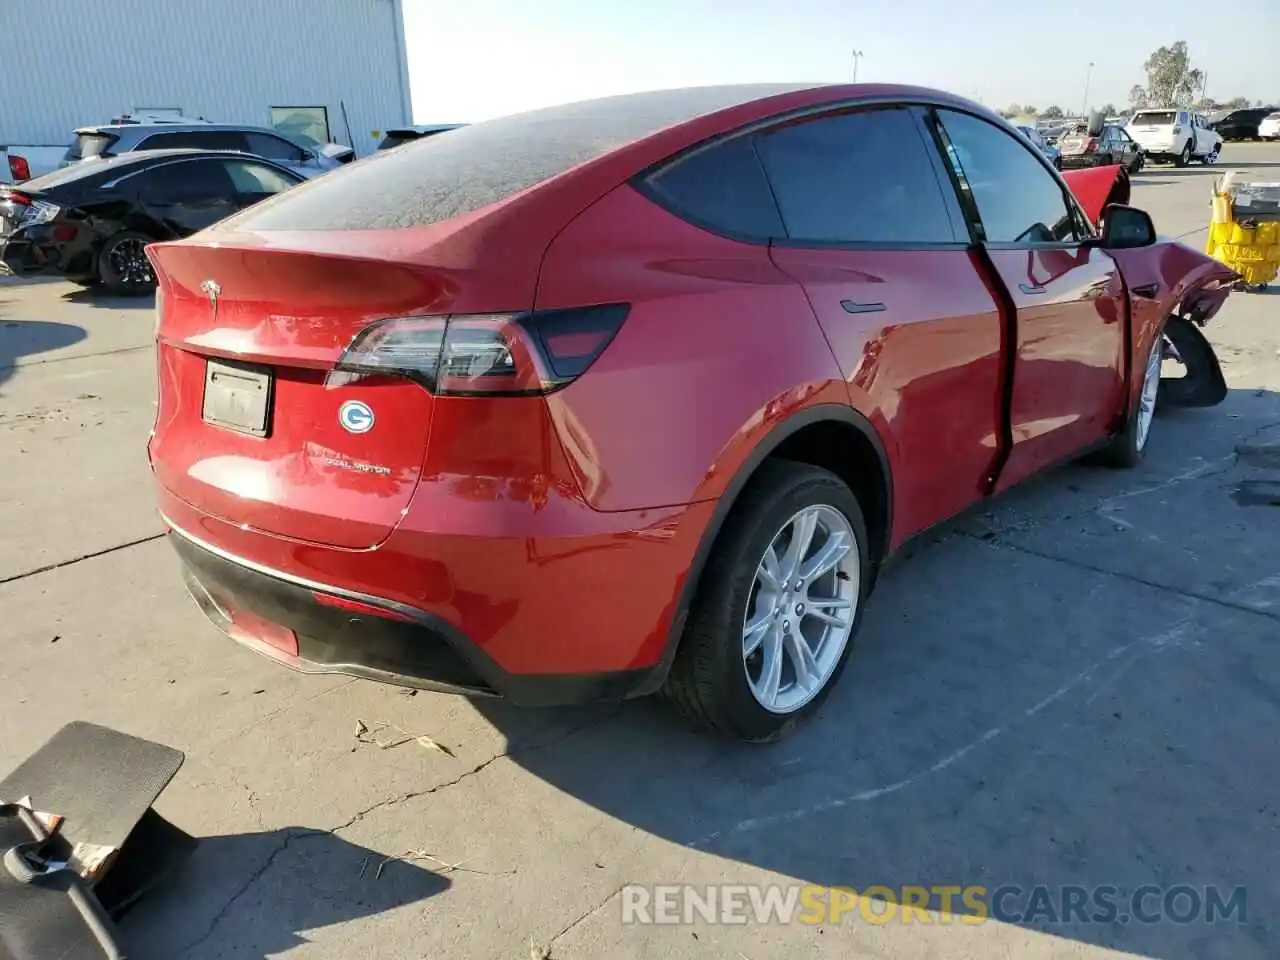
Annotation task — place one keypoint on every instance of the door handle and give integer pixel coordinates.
(1147, 290)
(1030, 288)
(852, 306)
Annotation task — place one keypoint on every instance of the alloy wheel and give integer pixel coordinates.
(129, 262)
(801, 609)
(1150, 388)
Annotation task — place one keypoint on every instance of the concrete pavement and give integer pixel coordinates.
(1076, 685)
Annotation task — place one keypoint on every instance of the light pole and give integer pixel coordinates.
(857, 55)
(1084, 111)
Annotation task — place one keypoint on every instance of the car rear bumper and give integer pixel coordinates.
(1077, 161)
(314, 628)
(481, 604)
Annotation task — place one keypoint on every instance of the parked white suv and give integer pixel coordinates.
(1177, 135)
(1269, 127)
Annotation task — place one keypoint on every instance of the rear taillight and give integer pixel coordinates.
(491, 354)
(16, 199)
(1091, 145)
(19, 169)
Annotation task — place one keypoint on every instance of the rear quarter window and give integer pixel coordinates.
(722, 188)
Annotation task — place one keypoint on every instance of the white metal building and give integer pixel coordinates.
(335, 70)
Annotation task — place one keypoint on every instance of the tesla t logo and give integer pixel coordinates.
(355, 417)
(211, 290)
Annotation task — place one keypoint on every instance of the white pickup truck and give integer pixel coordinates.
(1174, 134)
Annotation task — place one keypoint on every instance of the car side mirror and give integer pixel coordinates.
(1124, 227)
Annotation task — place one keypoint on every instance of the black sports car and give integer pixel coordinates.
(91, 222)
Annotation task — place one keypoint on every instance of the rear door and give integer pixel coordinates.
(186, 196)
(881, 252)
(1068, 296)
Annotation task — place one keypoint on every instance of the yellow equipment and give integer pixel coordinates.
(1244, 232)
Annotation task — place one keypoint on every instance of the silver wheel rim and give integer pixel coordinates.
(1150, 387)
(801, 609)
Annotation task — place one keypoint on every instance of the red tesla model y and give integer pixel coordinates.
(638, 394)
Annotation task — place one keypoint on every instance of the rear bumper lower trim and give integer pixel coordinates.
(411, 648)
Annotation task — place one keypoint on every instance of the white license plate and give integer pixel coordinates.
(237, 396)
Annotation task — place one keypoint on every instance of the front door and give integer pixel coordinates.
(1068, 296)
(878, 242)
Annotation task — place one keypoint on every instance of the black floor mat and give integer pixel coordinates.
(101, 780)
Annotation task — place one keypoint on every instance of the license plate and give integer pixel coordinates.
(237, 396)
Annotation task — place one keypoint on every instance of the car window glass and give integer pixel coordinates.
(863, 177)
(187, 181)
(273, 148)
(722, 187)
(1018, 200)
(256, 178)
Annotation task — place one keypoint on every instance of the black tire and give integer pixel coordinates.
(708, 682)
(1127, 448)
(119, 269)
(1185, 156)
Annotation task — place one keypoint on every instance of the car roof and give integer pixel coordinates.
(173, 128)
(587, 148)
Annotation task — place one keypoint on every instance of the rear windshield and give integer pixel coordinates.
(1154, 118)
(438, 178)
(87, 145)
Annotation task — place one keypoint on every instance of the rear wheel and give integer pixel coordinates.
(1130, 444)
(1185, 156)
(778, 606)
(124, 267)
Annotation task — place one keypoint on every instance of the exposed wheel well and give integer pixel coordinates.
(847, 452)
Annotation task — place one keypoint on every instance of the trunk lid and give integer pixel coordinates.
(253, 426)
(1074, 144)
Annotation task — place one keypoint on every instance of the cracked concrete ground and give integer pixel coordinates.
(1077, 684)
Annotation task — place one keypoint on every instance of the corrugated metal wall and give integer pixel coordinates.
(66, 63)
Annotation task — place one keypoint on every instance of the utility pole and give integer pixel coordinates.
(857, 55)
(1088, 74)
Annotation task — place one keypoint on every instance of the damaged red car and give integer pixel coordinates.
(639, 394)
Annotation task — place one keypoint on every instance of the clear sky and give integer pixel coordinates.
(474, 59)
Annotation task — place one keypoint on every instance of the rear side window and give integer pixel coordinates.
(256, 179)
(273, 148)
(862, 177)
(184, 181)
(88, 145)
(722, 188)
(196, 140)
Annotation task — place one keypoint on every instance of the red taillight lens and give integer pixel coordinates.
(355, 606)
(17, 199)
(19, 169)
(1091, 145)
(503, 354)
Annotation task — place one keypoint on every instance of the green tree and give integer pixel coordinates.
(1171, 80)
(1052, 113)
(1109, 110)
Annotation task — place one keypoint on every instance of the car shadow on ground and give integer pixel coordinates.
(21, 339)
(968, 744)
(316, 880)
(98, 297)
